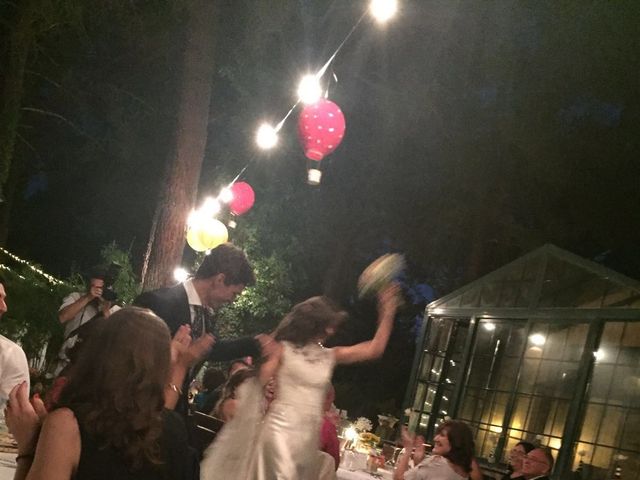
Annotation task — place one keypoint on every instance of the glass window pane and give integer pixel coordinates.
(555, 341)
(528, 375)
(630, 438)
(516, 341)
(480, 371)
(610, 342)
(507, 374)
(427, 361)
(520, 412)
(431, 395)
(499, 407)
(591, 424)
(436, 369)
(625, 386)
(630, 344)
(611, 426)
(419, 396)
(600, 382)
(576, 336)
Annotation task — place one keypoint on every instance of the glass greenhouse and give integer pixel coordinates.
(545, 349)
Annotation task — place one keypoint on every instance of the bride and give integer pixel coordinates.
(286, 439)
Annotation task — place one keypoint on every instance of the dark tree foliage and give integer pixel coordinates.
(476, 131)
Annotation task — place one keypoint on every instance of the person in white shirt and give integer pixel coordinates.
(79, 308)
(14, 368)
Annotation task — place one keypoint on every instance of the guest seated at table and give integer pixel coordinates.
(110, 421)
(516, 456)
(226, 407)
(205, 401)
(450, 457)
(537, 464)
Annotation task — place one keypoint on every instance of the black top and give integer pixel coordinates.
(105, 463)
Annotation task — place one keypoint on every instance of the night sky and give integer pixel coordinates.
(476, 132)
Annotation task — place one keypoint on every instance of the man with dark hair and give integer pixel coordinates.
(221, 277)
(537, 464)
(14, 368)
(78, 308)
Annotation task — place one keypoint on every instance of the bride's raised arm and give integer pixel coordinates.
(388, 300)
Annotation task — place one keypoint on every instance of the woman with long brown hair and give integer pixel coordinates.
(110, 421)
(450, 459)
(286, 444)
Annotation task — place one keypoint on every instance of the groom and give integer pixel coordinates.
(221, 277)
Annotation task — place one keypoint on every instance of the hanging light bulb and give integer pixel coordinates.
(383, 10)
(226, 195)
(210, 207)
(180, 274)
(309, 89)
(267, 136)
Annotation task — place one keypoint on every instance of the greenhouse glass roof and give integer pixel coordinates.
(547, 279)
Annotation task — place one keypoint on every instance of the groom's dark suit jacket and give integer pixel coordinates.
(172, 305)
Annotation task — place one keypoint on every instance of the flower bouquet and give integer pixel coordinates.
(380, 274)
(369, 440)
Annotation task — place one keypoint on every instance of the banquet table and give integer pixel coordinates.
(345, 474)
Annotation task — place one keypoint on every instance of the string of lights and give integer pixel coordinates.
(50, 278)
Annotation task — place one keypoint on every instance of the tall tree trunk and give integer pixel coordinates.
(20, 42)
(166, 244)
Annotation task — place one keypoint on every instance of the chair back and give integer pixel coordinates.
(203, 429)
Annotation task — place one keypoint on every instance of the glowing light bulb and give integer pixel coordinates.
(599, 355)
(210, 207)
(267, 136)
(195, 219)
(383, 10)
(226, 195)
(537, 339)
(351, 434)
(309, 89)
(180, 274)
(489, 327)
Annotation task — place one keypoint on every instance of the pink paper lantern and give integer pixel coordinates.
(320, 128)
(243, 198)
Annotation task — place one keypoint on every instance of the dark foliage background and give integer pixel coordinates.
(476, 131)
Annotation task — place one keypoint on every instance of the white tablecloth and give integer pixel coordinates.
(7, 466)
(344, 474)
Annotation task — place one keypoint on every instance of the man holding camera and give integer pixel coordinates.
(79, 308)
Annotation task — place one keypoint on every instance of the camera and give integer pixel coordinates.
(109, 294)
(108, 274)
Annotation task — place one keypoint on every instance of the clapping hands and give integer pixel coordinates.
(185, 351)
(24, 418)
(411, 441)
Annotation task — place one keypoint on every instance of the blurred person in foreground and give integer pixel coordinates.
(13, 362)
(113, 418)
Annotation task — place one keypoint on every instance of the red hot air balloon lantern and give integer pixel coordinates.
(321, 128)
(243, 198)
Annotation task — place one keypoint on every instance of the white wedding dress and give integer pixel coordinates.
(282, 445)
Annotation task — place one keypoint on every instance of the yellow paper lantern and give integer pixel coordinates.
(213, 233)
(193, 239)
